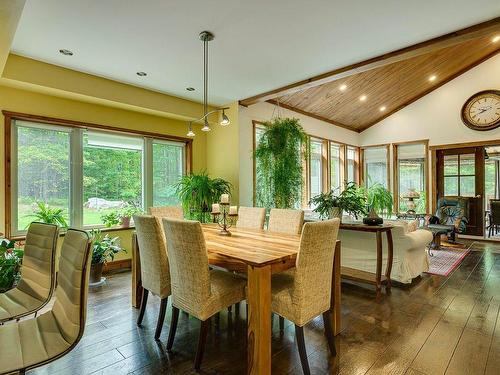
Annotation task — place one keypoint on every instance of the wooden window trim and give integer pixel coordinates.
(395, 172)
(10, 116)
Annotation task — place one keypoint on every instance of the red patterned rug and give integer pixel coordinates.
(445, 260)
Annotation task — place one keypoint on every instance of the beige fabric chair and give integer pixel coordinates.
(303, 293)
(155, 274)
(35, 342)
(38, 274)
(286, 221)
(251, 217)
(196, 289)
(175, 212)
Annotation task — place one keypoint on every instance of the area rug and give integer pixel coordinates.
(445, 260)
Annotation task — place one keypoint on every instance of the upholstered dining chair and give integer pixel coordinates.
(155, 273)
(38, 274)
(286, 220)
(196, 289)
(167, 211)
(302, 293)
(251, 217)
(34, 342)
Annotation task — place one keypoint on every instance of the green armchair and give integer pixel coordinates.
(451, 213)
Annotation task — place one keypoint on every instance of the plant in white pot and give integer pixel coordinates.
(351, 200)
(104, 249)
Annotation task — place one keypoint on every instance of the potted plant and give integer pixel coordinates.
(10, 264)
(111, 219)
(279, 155)
(104, 249)
(46, 214)
(331, 205)
(197, 192)
(380, 200)
(127, 214)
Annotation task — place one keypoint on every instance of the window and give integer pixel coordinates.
(351, 164)
(335, 166)
(316, 167)
(87, 173)
(375, 166)
(411, 175)
(460, 175)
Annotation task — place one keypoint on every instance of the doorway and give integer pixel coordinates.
(460, 173)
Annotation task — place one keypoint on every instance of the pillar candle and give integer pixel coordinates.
(215, 208)
(233, 210)
(224, 198)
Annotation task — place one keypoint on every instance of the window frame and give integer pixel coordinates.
(395, 164)
(76, 173)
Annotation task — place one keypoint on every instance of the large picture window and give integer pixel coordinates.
(335, 166)
(87, 172)
(376, 166)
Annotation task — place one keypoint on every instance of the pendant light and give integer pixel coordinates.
(206, 37)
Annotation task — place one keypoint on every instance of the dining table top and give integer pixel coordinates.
(255, 247)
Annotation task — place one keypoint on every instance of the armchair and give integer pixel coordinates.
(451, 215)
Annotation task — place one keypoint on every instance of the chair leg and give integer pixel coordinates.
(237, 307)
(161, 317)
(173, 327)
(144, 301)
(282, 324)
(329, 332)
(229, 308)
(202, 339)
(299, 334)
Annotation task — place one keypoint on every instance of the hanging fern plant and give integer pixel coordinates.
(279, 155)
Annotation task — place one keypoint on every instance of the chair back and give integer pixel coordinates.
(286, 220)
(188, 264)
(251, 217)
(38, 272)
(70, 306)
(155, 272)
(495, 211)
(175, 212)
(314, 265)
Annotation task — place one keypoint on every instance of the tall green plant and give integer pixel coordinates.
(197, 192)
(46, 214)
(279, 156)
(380, 199)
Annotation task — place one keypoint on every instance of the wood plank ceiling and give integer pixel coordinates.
(359, 96)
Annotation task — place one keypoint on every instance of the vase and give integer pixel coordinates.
(126, 221)
(373, 218)
(334, 213)
(96, 273)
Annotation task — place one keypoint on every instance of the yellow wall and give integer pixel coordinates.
(223, 151)
(10, 13)
(34, 103)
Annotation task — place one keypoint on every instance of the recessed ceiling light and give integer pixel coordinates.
(362, 98)
(65, 52)
(432, 78)
(190, 88)
(142, 74)
(495, 38)
(343, 87)
(382, 109)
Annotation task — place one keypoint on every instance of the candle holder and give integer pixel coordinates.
(224, 219)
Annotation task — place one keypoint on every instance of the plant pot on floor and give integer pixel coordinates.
(96, 273)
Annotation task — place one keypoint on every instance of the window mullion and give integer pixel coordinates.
(76, 186)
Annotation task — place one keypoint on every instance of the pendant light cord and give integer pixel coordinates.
(205, 78)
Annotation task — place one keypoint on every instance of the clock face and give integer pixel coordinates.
(482, 110)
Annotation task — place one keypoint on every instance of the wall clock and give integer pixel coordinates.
(482, 110)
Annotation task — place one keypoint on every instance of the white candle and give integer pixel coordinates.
(233, 210)
(224, 198)
(215, 208)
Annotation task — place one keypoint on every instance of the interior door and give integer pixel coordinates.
(461, 173)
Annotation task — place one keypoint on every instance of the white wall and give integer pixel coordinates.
(264, 112)
(436, 116)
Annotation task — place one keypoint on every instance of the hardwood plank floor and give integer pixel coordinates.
(440, 325)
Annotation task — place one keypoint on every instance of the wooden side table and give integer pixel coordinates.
(377, 279)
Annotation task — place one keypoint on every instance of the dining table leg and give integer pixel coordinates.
(335, 297)
(259, 320)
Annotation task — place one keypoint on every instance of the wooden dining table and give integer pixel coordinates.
(263, 253)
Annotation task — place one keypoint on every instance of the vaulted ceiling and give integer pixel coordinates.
(358, 96)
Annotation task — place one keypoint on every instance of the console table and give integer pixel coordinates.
(377, 279)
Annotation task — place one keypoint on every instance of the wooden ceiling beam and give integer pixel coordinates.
(428, 46)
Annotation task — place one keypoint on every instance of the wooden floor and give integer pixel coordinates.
(440, 325)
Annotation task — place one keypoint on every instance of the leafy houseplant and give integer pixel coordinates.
(111, 219)
(46, 214)
(127, 214)
(104, 249)
(380, 200)
(279, 155)
(10, 263)
(351, 200)
(197, 192)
